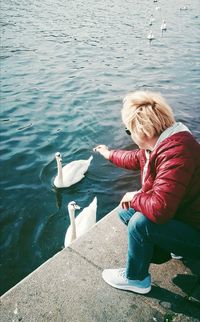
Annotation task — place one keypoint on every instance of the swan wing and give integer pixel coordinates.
(86, 219)
(74, 171)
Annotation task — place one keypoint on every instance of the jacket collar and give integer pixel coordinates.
(175, 128)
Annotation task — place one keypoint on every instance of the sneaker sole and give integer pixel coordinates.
(131, 288)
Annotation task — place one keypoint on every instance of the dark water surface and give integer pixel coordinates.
(65, 67)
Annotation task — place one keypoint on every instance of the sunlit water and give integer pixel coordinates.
(65, 67)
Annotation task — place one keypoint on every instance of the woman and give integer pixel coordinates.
(163, 217)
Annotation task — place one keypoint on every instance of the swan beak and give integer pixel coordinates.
(77, 207)
(61, 160)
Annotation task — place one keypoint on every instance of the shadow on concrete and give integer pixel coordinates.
(193, 265)
(190, 284)
(186, 282)
(189, 304)
(174, 303)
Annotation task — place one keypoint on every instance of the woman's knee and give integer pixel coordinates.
(138, 222)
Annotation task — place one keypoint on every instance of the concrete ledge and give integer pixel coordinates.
(69, 287)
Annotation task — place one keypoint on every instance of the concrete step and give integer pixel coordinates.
(69, 286)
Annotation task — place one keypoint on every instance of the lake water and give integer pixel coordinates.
(65, 67)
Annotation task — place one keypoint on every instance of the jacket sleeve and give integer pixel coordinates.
(126, 159)
(174, 171)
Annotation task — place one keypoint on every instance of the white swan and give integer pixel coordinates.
(82, 223)
(163, 26)
(150, 36)
(71, 173)
(151, 20)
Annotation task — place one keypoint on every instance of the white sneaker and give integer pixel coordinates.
(174, 256)
(117, 278)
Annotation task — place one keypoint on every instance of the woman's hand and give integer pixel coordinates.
(127, 198)
(103, 150)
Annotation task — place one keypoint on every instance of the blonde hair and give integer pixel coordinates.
(146, 113)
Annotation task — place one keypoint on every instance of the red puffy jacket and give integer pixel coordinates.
(172, 182)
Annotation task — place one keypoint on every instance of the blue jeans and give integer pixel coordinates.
(152, 243)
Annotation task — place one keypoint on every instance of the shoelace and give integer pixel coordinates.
(122, 273)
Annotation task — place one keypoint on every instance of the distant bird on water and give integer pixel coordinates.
(151, 20)
(163, 26)
(184, 8)
(150, 36)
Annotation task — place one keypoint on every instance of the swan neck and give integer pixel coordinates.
(59, 166)
(73, 224)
